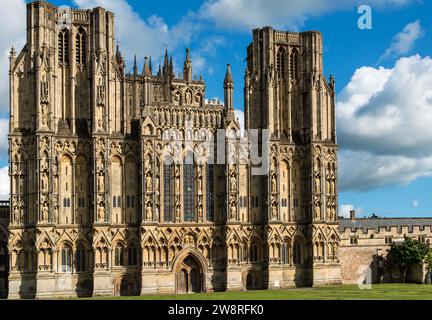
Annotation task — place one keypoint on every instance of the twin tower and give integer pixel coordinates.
(96, 207)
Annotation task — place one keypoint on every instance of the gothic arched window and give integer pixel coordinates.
(189, 187)
(210, 191)
(63, 47)
(80, 259)
(132, 255)
(81, 47)
(254, 251)
(297, 253)
(294, 64)
(118, 256)
(66, 258)
(281, 63)
(168, 174)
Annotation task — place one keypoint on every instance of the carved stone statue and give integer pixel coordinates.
(273, 183)
(101, 183)
(233, 182)
(44, 182)
(101, 213)
(317, 211)
(149, 182)
(317, 183)
(233, 210)
(149, 211)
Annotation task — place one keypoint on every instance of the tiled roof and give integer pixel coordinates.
(369, 223)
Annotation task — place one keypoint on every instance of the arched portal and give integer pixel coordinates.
(249, 282)
(189, 276)
(124, 287)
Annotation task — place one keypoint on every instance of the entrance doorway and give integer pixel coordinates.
(189, 276)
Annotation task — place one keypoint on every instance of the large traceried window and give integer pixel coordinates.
(63, 47)
(66, 190)
(168, 176)
(116, 189)
(210, 191)
(189, 187)
(81, 47)
(131, 189)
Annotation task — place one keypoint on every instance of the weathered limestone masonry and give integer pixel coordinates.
(95, 208)
(4, 257)
(365, 243)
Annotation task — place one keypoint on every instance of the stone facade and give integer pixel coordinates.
(365, 243)
(96, 208)
(4, 259)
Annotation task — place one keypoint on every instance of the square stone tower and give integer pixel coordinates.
(287, 94)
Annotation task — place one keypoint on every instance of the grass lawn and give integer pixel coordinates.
(391, 291)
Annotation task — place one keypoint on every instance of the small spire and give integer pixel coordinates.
(166, 58)
(228, 75)
(13, 52)
(151, 66)
(188, 55)
(135, 65)
(146, 71)
(187, 67)
(171, 66)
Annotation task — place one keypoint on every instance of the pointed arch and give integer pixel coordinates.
(281, 62)
(80, 46)
(63, 46)
(294, 65)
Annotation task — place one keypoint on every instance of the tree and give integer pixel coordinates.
(408, 253)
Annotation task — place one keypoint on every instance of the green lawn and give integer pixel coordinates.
(342, 292)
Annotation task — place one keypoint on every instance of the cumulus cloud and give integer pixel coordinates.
(404, 41)
(344, 210)
(4, 186)
(415, 203)
(153, 33)
(247, 14)
(384, 118)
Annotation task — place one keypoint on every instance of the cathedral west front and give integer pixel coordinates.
(132, 183)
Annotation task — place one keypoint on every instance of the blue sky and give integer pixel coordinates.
(385, 146)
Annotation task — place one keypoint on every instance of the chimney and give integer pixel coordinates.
(352, 214)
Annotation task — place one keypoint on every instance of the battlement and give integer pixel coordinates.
(365, 227)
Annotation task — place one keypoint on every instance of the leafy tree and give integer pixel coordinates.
(408, 253)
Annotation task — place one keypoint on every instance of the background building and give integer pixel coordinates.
(96, 208)
(365, 243)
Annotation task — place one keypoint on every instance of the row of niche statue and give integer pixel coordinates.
(331, 209)
(179, 118)
(149, 209)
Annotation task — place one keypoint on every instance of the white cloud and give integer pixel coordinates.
(247, 14)
(415, 203)
(4, 186)
(404, 41)
(344, 210)
(148, 37)
(13, 33)
(384, 118)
